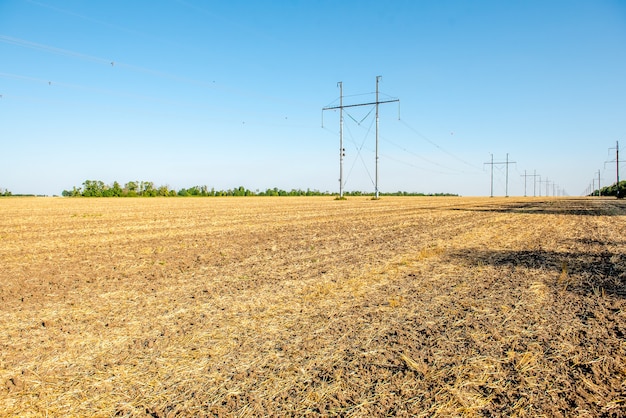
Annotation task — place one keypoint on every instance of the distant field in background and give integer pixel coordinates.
(297, 306)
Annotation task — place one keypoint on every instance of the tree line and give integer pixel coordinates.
(612, 190)
(97, 188)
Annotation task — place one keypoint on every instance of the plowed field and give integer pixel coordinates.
(312, 307)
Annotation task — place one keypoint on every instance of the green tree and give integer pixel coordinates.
(130, 189)
(72, 193)
(239, 191)
(147, 189)
(163, 191)
(93, 188)
(107, 191)
(116, 189)
(194, 191)
(613, 189)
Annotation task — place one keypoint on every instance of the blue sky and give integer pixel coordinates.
(230, 93)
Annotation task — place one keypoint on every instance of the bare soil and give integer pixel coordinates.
(312, 307)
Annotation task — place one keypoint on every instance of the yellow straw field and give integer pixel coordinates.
(260, 306)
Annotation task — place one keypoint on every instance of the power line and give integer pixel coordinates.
(341, 108)
(547, 183)
(359, 154)
(617, 161)
(450, 170)
(534, 176)
(99, 60)
(506, 163)
(401, 147)
(112, 63)
(59, 51)
(437, 145)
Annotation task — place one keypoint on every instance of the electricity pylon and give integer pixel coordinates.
(341, 149)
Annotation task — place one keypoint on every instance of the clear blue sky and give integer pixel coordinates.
(230, 93)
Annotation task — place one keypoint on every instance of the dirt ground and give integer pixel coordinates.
(312, 307)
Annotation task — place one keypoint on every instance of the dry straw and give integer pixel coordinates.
(310, 307)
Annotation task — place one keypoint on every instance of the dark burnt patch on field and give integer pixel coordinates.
(583, 272)
(576, 207)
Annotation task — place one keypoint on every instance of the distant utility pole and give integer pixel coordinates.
(617, 168)
(593, 186)
(617, 161)
(525, 175)
(539, 185)
(341, 149)
(547, 182)
(507, 162)
(599, 190)
(534, 176)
